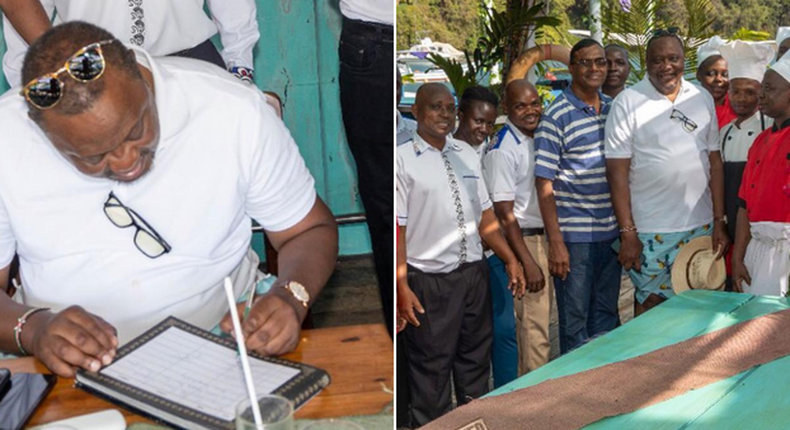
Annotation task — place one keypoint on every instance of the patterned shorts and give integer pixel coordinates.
(660, 250)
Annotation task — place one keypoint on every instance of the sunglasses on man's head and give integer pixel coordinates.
(86, 65)
(671, 31)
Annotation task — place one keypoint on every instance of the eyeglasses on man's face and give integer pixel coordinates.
(688, 124)
(146, 239)
(588, 62)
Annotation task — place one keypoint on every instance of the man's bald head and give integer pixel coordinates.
(434, 110)
(523, 105)
(50, 51)
(429, 91)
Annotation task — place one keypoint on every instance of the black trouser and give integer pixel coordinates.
(367, 99)
(206, 51)
(454, 335)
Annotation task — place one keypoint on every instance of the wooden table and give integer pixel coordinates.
(358, 358)
(754, 399)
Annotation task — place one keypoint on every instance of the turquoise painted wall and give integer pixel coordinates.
(296, 58)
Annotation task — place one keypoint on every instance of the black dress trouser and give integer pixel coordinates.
(454, 336)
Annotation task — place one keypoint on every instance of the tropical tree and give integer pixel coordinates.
(502, 40)
(631, 24)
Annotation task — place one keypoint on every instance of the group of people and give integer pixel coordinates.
(655, 179)
(130, 176)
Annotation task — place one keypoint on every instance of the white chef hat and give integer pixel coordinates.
(782, 33)
(709, 48)
(747, 59)
(783, 68)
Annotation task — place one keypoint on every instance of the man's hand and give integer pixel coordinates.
(70, 339)
(559, 259)
(534, 274)
(720, 239)
(740, 274)
(516, 282)
(407, 304)
(630, 251)
(273, 325)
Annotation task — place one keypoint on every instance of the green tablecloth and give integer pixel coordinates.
(755, 399)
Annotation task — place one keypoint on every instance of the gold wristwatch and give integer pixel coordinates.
(299, 292)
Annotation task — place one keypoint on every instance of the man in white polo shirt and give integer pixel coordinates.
(130, 195)
(664, 169)
(509, 170)
(443, 212)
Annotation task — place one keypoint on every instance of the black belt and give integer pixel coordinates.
(357, 25)
(532, 231)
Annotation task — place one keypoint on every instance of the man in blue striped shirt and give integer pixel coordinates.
(575, 203)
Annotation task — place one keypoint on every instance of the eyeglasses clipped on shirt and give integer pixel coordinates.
(688, 124)
(146, 239)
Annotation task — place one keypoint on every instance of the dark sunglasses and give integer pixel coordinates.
(146, 239)
(688, 124)
(86, 65)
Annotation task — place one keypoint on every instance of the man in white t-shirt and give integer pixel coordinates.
(161, 27)
(129, 196)
(509, 170)
(664, 169)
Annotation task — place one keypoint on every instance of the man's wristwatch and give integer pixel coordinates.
(299, 292)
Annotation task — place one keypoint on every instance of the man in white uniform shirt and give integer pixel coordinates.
(130, 144)
(509, 170)
(665, 170)
(366, 61)
(161, 27)
(748, 63)
(443, 212)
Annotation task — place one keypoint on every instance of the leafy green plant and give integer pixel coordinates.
(633, 29)
(750, 35)
(500, 29)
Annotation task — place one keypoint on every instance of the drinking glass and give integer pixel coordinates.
(277, 413)
(332, 424)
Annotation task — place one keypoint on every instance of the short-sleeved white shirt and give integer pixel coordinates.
(670, 166)
(426, 207)
(509, 171)
(380, 11)
(223, 158)
(737, 139)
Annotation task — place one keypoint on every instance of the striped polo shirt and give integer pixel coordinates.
(569, 146)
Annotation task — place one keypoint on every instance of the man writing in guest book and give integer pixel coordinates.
(128, 196)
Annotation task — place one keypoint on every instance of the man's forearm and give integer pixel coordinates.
(309, 255)
(28, 17)
(617, 172)
(512, 231)
(548, 208)
(491, 233)
(402, 258)
(717, 183)
(9, 312)
(742, 235)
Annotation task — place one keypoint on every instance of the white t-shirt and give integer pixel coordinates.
(223, 158)
(509, 170)
(670, 166)
(426, 206)
(380, 11)
(166, 27)
(737, 139)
